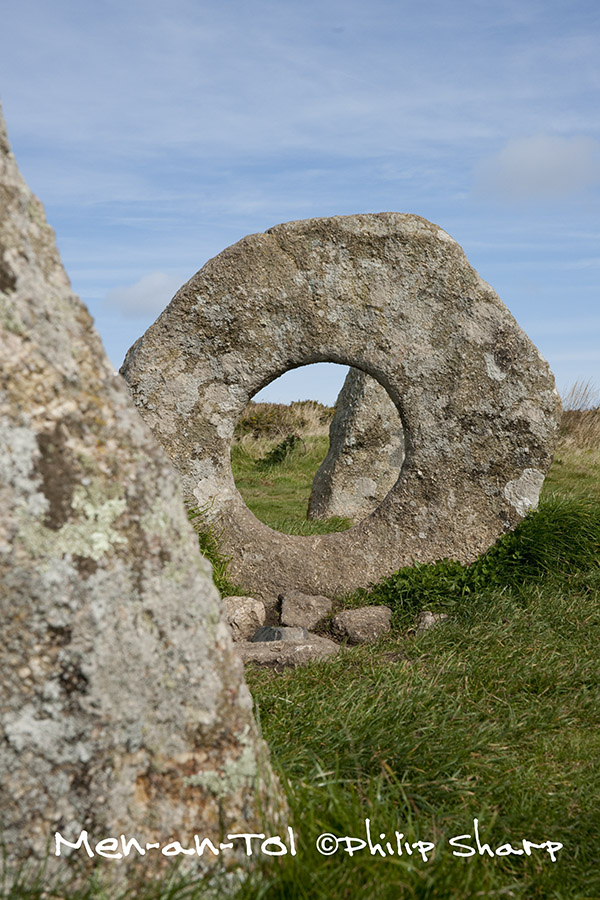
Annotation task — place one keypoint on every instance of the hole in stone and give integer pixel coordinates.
(287, 471)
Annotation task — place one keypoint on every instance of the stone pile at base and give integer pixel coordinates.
(285, 644)
(123, 708)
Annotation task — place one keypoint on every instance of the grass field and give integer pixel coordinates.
(278, 494)
(493, 716)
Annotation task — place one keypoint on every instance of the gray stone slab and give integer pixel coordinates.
(366, 452)
(287, 653)
(362, 625)
(275, 633)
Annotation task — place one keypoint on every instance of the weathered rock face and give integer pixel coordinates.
(362, 625)
(302, 609)
(390, 294)
(122, 702)
(366, 452)
(244, 616)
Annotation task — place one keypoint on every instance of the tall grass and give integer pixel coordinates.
(208, 540)
(580, 396)
(277, 420)
(580, 424)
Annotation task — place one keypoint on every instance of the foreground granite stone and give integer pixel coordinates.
(366, 452)
(123, 708)
(395, 296)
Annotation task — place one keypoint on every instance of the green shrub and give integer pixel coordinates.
(558, 540)
(279, 452)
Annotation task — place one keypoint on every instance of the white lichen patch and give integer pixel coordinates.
(19, 452)
(9, 318)
(493, 370)
(157, 520)
(92, 535)
(236, 774)
(185, 393)
(524, 492)
(225, 429)
(25, 729)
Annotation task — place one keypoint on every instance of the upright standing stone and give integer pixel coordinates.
(123, 707)
(366, 451)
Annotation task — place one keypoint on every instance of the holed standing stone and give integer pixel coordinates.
(394, 296)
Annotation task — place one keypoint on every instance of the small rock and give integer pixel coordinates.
(303, 609)
(287, 653)
(245, 615)
(426, 620)
(269, 633)
(360, 626)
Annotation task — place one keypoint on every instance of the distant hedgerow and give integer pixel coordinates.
(280, 452)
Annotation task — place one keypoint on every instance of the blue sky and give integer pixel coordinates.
(157, 134)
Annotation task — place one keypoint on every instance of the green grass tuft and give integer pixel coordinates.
(279, 453)
(208, 540)
(557, 541)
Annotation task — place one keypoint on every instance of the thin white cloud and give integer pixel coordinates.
(148, 296)
(592, 262)
(211, 78)
(576, 356)
(540, 167)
